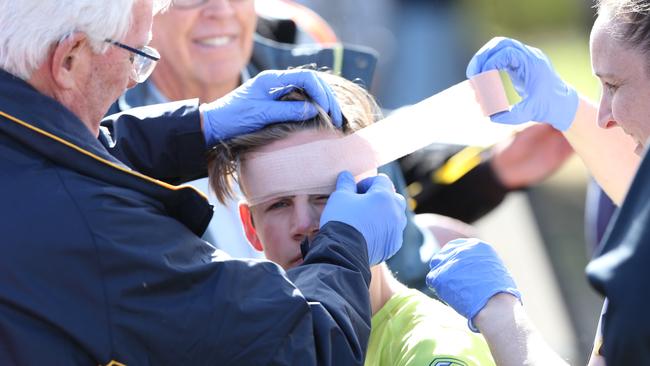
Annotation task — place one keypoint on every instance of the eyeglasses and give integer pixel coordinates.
(143, 60)
(189, 4)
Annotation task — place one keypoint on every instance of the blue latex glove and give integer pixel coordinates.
(466, 273)
(373, 208)
(255, 104)
(545, 96)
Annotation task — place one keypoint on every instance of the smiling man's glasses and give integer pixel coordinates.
(143, 60)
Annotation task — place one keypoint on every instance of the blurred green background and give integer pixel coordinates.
(559, 27)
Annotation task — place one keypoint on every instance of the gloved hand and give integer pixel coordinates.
(373, 208)
(466, 273)
(545, 96)
(255, 104)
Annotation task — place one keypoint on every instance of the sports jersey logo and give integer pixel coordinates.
(447, 361)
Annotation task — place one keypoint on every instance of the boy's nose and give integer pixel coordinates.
(306, 223)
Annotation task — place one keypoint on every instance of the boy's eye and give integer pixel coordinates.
(277, 205)
(320, 200)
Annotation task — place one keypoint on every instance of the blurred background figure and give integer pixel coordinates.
(424, 47)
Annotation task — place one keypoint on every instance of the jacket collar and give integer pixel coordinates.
(43, 115)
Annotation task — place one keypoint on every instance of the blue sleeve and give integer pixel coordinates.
(153, 297)
(237, 312)
(315, 314)
(253, 313)
(163, 141)
(334, 279)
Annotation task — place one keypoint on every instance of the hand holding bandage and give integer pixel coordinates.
(545, 96)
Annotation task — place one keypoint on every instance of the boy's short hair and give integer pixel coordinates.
(358, 107)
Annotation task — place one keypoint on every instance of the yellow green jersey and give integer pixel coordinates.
(415, 330)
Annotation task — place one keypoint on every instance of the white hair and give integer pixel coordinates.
(30, 27)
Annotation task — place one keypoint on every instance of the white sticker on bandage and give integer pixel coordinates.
(312, 168)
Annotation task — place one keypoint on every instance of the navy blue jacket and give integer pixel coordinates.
(102, 265)
(622, 274)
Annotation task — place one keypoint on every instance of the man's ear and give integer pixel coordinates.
(249, 228)
(70, 58)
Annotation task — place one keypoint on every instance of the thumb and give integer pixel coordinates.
(518, 114)
(345, 182)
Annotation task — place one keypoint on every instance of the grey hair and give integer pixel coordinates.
(630, 21)
(357, 105)
(31, 27)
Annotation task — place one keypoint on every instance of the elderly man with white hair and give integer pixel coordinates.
(101, 264)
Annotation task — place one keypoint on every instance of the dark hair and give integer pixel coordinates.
(358, 107)
(631, 21)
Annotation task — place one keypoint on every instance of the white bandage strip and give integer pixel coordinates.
(312, 168)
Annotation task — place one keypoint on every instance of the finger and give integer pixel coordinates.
(505, 118)
(507, 58)
(365, 184)
(280, 91)
(381, 183)
(519, 113)
(318, 90)
(307, 80)
(491, 49)
(456, 242)
(431, 279)
(287, 111)
(345, 182)
(323, 95)
(333, 105)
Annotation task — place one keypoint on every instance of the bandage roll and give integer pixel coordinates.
(312, 168)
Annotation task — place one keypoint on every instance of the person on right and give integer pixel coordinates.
(468, 274)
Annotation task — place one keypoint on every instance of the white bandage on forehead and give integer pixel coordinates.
(312, 168)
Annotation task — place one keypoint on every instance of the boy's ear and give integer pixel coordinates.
(249, 228)
(69, 58)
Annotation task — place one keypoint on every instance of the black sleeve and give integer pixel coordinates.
(467, 198)
(621, 273)
(163, 141)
